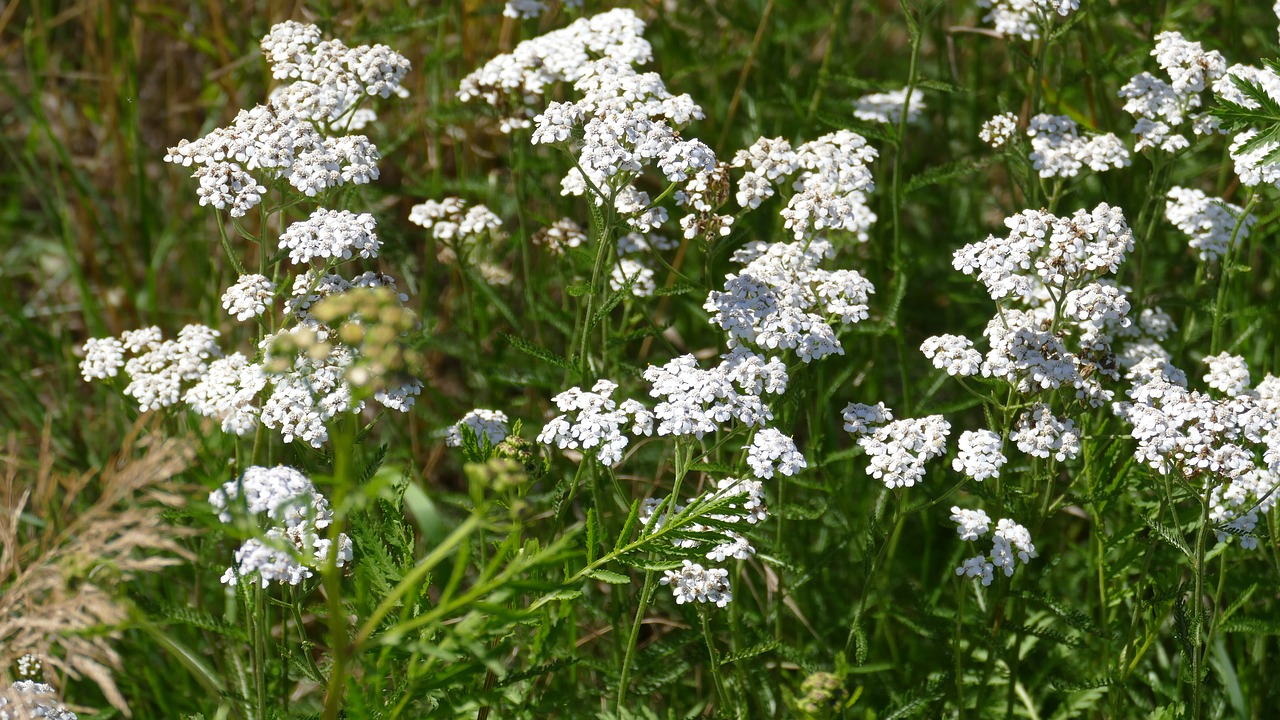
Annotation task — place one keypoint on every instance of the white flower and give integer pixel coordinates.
(249, 297)
(1208, 222)
(693, 401)
(1228, 374)
(859, 418)
(970, 524)
(229, 393)
(1010, 540)
(977, 567)
(999, 129)
(1057, 150)
(337, 234)
(1039, 434)
(900, 449)
(103, 358)
(594, 421)
(953, 353)
(770, 451)
(634, 273)
(32, 699)
(285, 556)
(1020, 18)
(490, 425)
(283, 493)
(979, 457)
(780, 300)
(693, 583)
(887, 107)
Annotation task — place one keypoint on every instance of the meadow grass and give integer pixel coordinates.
(525, 578)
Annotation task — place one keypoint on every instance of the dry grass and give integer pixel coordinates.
(61, 567)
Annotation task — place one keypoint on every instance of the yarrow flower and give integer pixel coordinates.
(1161, 108)
(336, 234)
(694, 583)
(783, 300)
(887, 107)
(249, 297)
(899, 450)
(953, 353)
(695, 402)
(772, 451)
(1228, 374)
(979, 457)
(31, 699)
(860, 419)
(1023, 18)
(1039, 434)
(1011, 543)
(999, 129)
(1057, 150)
(488, 425)
(1208, 222)
(595, 421)
(291, 547)
(159, 367)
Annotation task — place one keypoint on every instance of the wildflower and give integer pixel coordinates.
(1209, 223)
(887, 107)
(860, 419)
(31, 699)
(1011, 540)
(977, 567)
(775, 301)
(979, 457)
(1039, 434)
(999, 129)
(770, 451)
(285, 556)
(562, 235)
(900, 449)
(693, 401)
(953, 353)
(103, 358)
(632, 273)
(283, 493)
(970, 524)
(693, 583)
(1228, 374)
(228, 392)
(592, 420)
(1057, 150)
(337, 234)
(488, 425)
(1020, 18)
(248, 297)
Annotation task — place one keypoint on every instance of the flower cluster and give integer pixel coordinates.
(1039, 434)
(999, 130)
(887, 107)
(772, 451)
(782, 300)
(1010, 543)
(832, 179)
(249, 297)
(1251, 164)
(1210, 224)
(516, 82)
(1161, 107)
(488, 425)
(460, 231)
(1058, 150)
(591, 420)
(296, 511)
(898, 449)
(288, 137)
(31, 699)
(694, 402)
(980, 457)
(1025, 18)
(1229, 445)
(331, 234)
(731, 502)
(158, 367)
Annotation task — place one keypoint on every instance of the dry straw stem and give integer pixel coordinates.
(68, 541)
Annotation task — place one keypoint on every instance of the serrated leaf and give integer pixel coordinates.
(750, 652)
(1170, 536)
(608, 576)
(949, 171)
(528, 347)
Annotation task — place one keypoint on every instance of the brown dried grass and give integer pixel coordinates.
(68, 541)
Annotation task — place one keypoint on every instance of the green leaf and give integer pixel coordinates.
(949, 171)
(608, 576)
(528, 347)
(1170, 536)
